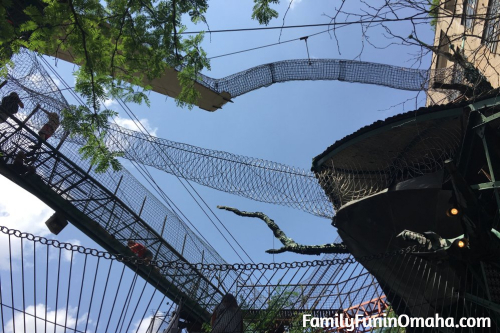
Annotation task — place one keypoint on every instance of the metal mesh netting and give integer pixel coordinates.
(379, 161)
(323, 69)
(248, 177)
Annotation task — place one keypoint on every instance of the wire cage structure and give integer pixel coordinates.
(435, 183)
(60, 287)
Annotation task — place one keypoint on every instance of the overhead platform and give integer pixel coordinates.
(390, 151)
(168, 85)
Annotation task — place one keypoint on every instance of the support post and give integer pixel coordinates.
(114, 204)
(63, 138)
(183, 245)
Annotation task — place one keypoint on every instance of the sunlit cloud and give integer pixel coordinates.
(56, 81)
(21, 211)
(109, 103)
(141, 326)
(132, 125)
(64, 318)
(67, 254)
(294, 3)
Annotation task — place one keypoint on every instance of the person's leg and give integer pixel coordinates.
(3, 117)
(148, 256)
(44, 133)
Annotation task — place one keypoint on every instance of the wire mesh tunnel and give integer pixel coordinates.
(324, 69)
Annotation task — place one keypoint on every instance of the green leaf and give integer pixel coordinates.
(262, 11)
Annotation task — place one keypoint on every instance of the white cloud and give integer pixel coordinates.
(294, 3)
(67, 254)
(56, 81)
(21, 211)
(141, 326)
(130, 124)
(20, 319)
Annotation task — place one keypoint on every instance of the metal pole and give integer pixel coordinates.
(63, 138)
(114, 203)
(31, 114)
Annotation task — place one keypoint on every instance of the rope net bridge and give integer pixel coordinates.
(48, 286)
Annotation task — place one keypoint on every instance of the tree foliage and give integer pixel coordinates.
(434, 12)
(119, 44)
(265, 322)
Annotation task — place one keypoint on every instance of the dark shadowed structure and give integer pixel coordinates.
(407, 173)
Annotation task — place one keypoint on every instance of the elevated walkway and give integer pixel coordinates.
(95, 209)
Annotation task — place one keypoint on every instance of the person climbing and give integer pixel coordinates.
(48, 129)
(10, 106)
(141, 251)
(227, 316)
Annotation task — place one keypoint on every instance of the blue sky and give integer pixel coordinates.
(288, 123)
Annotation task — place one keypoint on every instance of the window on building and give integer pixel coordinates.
(470, 12)
(450, 5)
(441, 61)
(444, 46)
(491, 26)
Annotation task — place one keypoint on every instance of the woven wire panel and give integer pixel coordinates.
(252, 178)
